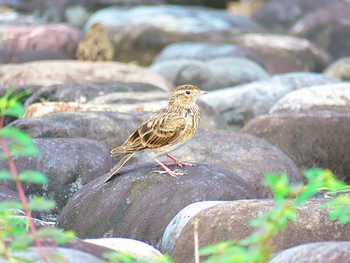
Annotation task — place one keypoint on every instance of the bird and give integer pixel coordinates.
(165, 130)
(95, 46)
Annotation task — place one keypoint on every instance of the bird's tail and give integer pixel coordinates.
(119, 165)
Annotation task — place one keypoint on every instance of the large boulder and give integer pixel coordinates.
(280, 15)
(211, 74)
(67, 163)
(237, 105)
(329, 27)
(41, 41)
(58, 72)
(282, 53)
(229, 221)
(137, 204)
(335, 97)
(154, 27)
(317, 252)
(316, 138)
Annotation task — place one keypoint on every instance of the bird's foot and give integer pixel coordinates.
(178, 162)
(174, 173)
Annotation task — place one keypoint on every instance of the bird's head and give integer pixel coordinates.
(96, 28)
(185, 95)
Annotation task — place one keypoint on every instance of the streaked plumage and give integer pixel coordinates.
(164, 131)
(95, 46)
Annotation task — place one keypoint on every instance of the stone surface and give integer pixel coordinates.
(174, 228)
(318, 252)
(229, 221)
(310, 138)
(280, 15)
(335, 97)
(329, 27)
(339, 69)
(211, 74)
(55, 39)
(132, 247)
(247, 156)
(200, 51)
(8, 194)
(58, 72)
(237, 105)
(67, 163)
(155, 27)
(282, 53)
(142, 203)
(84, 92)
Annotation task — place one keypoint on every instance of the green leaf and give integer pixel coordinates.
(21, 242)
(17, 135)
(5, 175)
(7, 205)
(279, 185)
(41, 204)
(33, 177)
(340, 209)
(14, 109)
(118, 257)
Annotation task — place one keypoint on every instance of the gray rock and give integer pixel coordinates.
(84, 92)
(339, 69)
(318, 252)
(142, 204)
(68, 71)
(173, 230)
(282, 53)
(335, 97)
(237, 105)
(280, 15)
(311, 138)
(211, 74)
(8, 194)
(200, 51)
(229, 221)
(328, 27)
(67, 163)
(155, 27)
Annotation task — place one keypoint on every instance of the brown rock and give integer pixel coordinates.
(310, 139)
(57, 72)
(229, 221)
(139, 205)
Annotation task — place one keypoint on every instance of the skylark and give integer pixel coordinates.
(95, 46)
(164, 131)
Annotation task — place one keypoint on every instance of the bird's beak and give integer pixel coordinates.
(203, 92)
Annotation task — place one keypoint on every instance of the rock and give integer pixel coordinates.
(339, 69)
(19, 5)
(247, 156)
(84, 92)
(318, 252)
(155, 27)
(202, 51)
(142, 204)
(8, 194)
(210, 74)
(56, 39)
(77, 251)
(58, 72)
(310, 138)
(132, 247)
(335, 97)
(328, 27)
(282, 53)
(67, 163)
(174, 228)
(228, 221)
(280, 15)
(237, 105)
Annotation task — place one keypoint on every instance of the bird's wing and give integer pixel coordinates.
(159, 129)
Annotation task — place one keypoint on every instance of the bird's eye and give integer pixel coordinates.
(188, 92)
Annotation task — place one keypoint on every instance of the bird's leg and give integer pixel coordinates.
(178, 162)
(174, 173)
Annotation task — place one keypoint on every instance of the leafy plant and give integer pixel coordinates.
(18, 232)
(288, 198)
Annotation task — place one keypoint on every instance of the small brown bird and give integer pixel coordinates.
(164, 131)
(95, 46)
